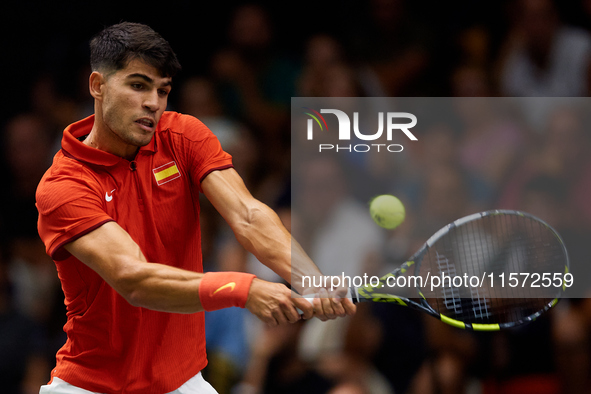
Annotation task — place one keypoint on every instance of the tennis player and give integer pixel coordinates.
(119, 214)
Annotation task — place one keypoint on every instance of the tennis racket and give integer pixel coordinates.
(505, 268)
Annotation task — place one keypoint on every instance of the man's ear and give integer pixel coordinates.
(96, 83)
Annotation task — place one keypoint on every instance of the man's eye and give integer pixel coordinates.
(136, 85)
(163, 93)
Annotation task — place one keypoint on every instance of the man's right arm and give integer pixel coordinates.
(112, 253)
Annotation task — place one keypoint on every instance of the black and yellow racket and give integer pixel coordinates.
(505, 268)
(485, 272)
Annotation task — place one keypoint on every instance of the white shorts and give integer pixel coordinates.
(195, 385)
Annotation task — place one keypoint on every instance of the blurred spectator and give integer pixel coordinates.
(471, 81)
(35, 289)
(340, 81)
(257, 82)
(27, 155)
(490, 139)
(350, 387)
(546, 197)
(445, 198)
(227, 348)
(562, 153)
(439, 153)
(472, 75)
(31, 270)
(543, 57)
(475, 46)
(441, 355)
(57, 109)
(384, 362)
(339, 236)
(326, 71)
(354, 370)
(522, 360)
(442, 374)
(23, 365)
(322, 52)
(391, 48)
(338, 232)
(275, 366)
(198, 97)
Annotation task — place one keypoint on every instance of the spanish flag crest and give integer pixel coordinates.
(166, 173)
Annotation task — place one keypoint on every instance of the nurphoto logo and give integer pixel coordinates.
(344, 134)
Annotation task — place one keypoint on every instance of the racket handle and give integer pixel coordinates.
(310, 298)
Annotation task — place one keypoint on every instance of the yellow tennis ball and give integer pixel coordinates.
(387, 211)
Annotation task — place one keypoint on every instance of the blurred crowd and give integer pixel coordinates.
(538, 162)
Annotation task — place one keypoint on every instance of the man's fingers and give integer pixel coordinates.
(290, 312)
(279, 316)
(306, 306)
(319, 309)
(273, 304)
(269, 320)
(337, 306)
(330, 305)
(327, 305)
(341, 292)
(324, 306)
(349, 307)
(337, 298)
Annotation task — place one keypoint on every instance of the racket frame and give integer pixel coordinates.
(371, 293)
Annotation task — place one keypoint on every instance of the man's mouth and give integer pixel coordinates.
(147, 123)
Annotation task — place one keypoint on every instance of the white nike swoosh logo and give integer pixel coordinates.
(109, 198)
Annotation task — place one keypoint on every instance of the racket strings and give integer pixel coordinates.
(501, 260)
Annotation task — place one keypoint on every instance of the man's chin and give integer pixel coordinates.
(140, 139)
(143, 142)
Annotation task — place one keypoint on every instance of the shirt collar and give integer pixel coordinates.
(82, 152)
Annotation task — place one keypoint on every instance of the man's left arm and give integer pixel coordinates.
(260, 231)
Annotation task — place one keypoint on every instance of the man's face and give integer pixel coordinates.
(133, 102)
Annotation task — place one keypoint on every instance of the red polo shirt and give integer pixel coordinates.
(113, 346)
